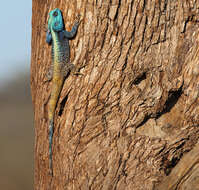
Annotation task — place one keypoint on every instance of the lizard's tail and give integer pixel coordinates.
(51, 128)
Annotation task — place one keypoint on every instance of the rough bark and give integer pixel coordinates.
(131, 122)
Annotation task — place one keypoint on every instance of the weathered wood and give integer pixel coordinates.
(185, 174)
(132, 117)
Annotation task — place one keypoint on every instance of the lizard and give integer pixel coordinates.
(58, 37)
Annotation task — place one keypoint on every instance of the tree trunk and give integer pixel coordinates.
(131, 122)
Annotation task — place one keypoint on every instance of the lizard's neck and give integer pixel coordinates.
(56, 48)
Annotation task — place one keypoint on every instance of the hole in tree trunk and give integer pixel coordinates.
(140, 78)
(173, 97)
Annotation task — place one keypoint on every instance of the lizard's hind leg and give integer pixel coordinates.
(70, 67)
(49, 74)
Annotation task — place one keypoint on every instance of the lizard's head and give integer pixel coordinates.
(55, 20)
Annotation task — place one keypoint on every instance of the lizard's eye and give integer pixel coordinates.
(55, 13)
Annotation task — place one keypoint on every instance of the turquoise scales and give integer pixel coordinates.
(59, 38)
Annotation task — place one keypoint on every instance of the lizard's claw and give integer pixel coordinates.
(49, 75)
(78, 19)
(44, 28)
(75, 70)
(77, 73)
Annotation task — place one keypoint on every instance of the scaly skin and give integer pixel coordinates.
(61, 63)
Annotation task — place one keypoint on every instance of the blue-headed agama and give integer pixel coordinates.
(59, 38)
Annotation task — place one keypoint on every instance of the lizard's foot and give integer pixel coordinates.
(78, 19)
(49, 75)
(75, 71)
(44, 28)
(69, 67)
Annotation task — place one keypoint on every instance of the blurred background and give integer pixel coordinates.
(16, 113)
